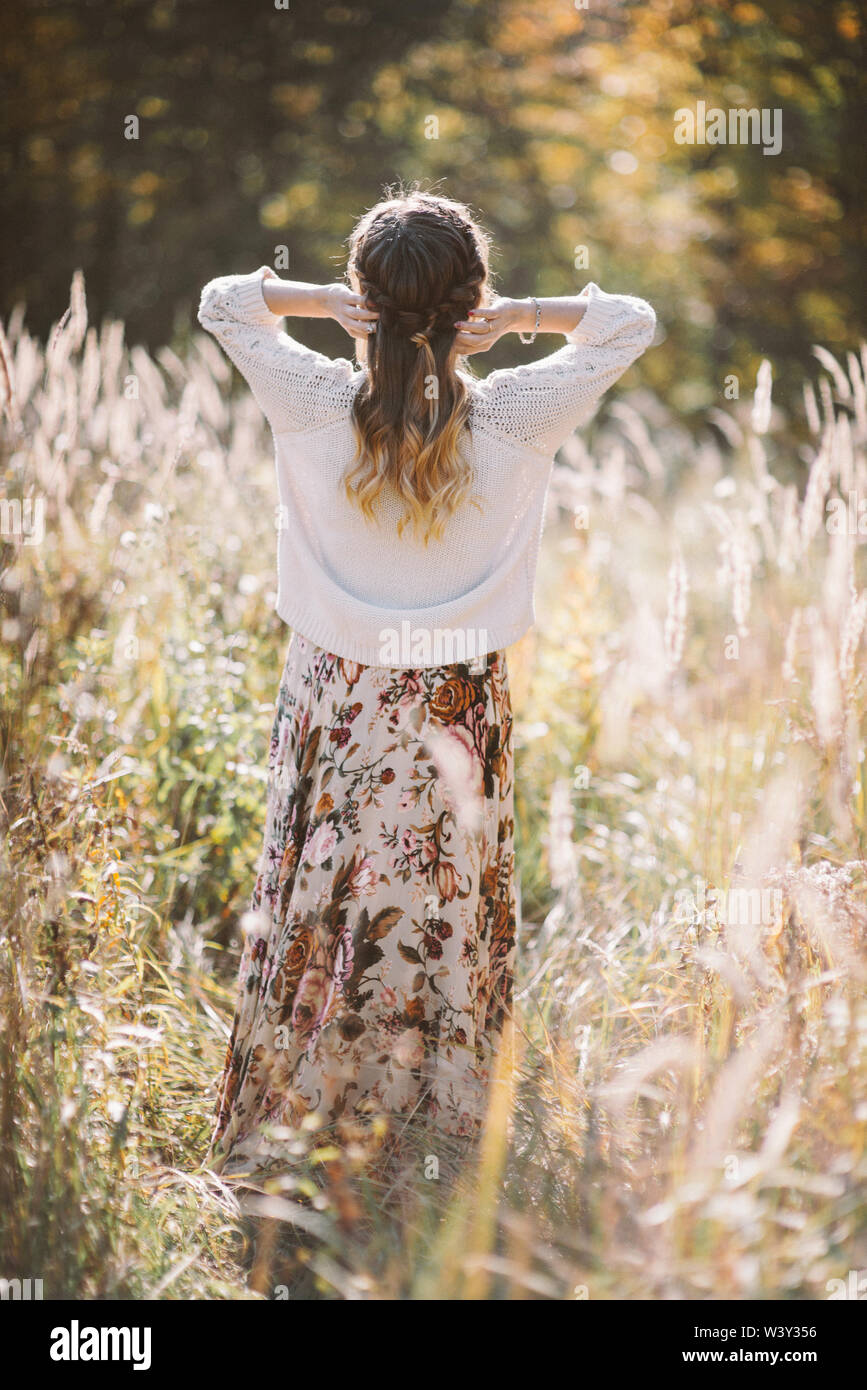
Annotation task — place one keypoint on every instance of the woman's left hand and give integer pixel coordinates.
(349, 309)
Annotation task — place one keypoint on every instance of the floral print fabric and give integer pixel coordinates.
(376, 976)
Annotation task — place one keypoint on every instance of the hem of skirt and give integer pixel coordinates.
(338, 644)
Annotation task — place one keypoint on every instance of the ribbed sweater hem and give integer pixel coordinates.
(318, 630)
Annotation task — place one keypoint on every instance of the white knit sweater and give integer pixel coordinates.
(350, 585)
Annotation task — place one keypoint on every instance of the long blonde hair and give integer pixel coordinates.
(422, 262)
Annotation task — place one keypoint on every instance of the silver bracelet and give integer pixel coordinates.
(529, 338)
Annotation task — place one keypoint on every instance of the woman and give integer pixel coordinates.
(377, 978)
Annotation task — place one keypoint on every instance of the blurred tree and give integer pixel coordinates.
(246, 125)
(260, 127)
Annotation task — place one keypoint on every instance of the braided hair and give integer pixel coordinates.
(422, 261)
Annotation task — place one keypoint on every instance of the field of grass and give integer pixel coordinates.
(687, 1112)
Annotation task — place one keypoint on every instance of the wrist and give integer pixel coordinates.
(324, 299)
(523, 315)
(294, 298)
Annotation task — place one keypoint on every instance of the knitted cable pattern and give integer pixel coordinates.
(341, 581)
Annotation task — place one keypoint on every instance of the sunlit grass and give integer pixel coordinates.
(687, 1112)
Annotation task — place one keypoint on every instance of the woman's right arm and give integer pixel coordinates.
(542, 402)
(505, 315)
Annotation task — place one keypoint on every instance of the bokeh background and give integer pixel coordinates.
(262, 127)
(687, 1112)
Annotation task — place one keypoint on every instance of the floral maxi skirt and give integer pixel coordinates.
(376, 974)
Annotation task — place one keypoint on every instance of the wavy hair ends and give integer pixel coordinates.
(422, 262)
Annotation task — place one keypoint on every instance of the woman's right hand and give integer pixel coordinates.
(486, 325)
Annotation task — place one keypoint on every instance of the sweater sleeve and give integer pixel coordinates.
(541, 403)
(296, 387)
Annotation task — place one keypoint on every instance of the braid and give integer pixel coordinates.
(421, 324)
(395, 318)
(422, 262)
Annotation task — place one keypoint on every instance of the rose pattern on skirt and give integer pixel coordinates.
(377, 977)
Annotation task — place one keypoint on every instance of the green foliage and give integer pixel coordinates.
(686, 1114)
(263, 128)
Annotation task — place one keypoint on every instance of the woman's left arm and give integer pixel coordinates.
(297, 298)
(294, 385)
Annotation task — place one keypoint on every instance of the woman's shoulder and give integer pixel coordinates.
(507, 381)
(502, 404)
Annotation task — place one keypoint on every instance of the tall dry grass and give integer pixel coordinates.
(685, 1116)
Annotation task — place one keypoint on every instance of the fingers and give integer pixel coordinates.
(356, 315)
(481, 323)
(472, 335)
(358, 320)
(471, 342)
(359, 307)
